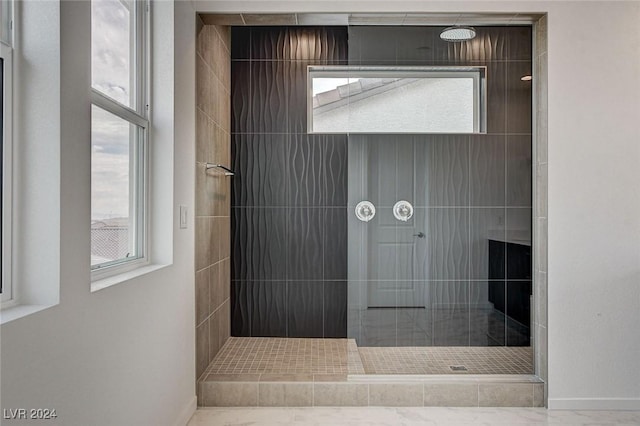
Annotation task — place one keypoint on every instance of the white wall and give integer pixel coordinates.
(594, 195)
(594, 205)
(124, 355)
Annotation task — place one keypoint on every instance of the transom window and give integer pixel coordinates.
(357, 99)
(119, 135)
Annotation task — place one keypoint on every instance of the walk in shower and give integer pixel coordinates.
(381, 202)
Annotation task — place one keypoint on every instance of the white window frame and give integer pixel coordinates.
(8, 292)
(137, 115)
(477, 73)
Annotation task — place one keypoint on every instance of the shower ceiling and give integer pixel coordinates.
(239, 19)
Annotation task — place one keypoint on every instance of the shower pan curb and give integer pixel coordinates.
(373, 391)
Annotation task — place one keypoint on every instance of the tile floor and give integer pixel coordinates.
(261, 355)
(257, 355)
(409, 416)
(439, 360)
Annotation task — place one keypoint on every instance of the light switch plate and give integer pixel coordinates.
(183, 216)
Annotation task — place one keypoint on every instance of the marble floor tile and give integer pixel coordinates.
(408, 416)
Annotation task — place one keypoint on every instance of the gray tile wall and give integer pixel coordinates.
(212, 211)
(541, 194)
(289, 193)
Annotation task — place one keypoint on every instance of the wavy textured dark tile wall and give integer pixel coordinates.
(416, 45)
(297, 100)
(268, 97)
(240, 96)
(487, 170)
(518, 98)
(448, 241)
(270, 43)
(305, 170)
(240, 309)
(335, 243)
(490, 44)
(496, 97)
(372, 45)
(520, 43)
(335, 309)
(299, 43)
(451, 314)
(268, 301)
(287, 178)
(305, 308)
(519, 170)
(423, 45)
(305, 243)
(442, 170)
(318, 43)
(259, 243)
(260, 164)
(335, 166)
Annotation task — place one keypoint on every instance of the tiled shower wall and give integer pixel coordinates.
(289, 194)
(213, 189)
(289, 201)
(466, 190)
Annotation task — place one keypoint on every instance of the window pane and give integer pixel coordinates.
(113, 49)
(6, 15)
(115, 172)
(393, 100)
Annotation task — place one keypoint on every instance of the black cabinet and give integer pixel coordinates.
(510, 264)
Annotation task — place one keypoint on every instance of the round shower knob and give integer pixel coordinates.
(403, 210)
(365, 211)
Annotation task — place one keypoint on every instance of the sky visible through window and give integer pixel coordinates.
(111, 35)
(321, 85)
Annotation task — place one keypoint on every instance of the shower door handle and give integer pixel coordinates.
(419, 235)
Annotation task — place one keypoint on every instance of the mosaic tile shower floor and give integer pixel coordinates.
(271, 355)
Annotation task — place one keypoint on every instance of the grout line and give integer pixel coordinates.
(533, 402)
(469, 251)
(368, 395)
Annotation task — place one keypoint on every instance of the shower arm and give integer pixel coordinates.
(227, 171)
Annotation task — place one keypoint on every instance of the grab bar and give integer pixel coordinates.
(227, 171)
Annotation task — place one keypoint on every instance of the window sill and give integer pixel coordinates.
(12, 313)
(103, 283)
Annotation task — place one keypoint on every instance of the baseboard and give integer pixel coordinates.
(187, 412)
(594, 404)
